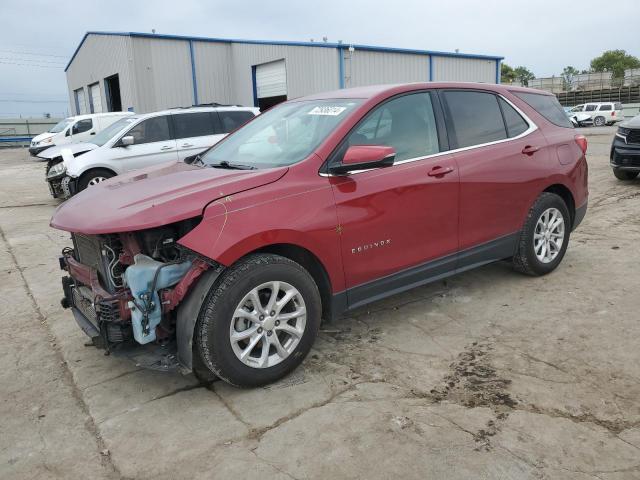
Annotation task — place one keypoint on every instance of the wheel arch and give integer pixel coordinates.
(97, 167)
(565, 193)
(311, 263)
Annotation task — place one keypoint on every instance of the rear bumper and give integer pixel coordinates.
(580, 214)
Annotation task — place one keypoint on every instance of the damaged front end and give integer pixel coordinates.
(123, 290)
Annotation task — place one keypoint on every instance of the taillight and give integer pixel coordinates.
(613, 114)
(581, 140)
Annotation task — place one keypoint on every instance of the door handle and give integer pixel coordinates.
(165, 148)
(439, 171)
(186, 145)
(530, 150)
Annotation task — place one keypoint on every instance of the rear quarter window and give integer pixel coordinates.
(232, 120)
(547, 106)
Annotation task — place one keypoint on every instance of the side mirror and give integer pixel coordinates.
(364, 157)
(126, 141)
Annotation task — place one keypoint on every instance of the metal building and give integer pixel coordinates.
(143, 72)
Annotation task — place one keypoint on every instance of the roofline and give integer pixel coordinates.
(343, 46)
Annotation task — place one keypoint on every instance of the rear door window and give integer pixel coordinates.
(232, 120)
(474, 117)
(605, 108)
(512, 119)
(155, 129)
(547, 106)
(187, 125)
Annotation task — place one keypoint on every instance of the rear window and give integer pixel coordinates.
(547, 106)
(618, 106)
(232, 120)
(475, 117)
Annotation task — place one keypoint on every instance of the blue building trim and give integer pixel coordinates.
(286, 43)
(193, 73)
(498, 71)
(341, 66)
(431, 68)
(255, 85)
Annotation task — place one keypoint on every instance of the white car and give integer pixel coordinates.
(597, 114)
(139, 141)
(74, 130)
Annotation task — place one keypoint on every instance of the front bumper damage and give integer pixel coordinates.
(138, 318)
(62, 186)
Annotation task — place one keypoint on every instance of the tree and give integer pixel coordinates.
(507, 75)
(523, 74)
(568, 75)
(615, 61)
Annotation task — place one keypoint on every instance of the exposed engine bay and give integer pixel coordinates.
(124, 288)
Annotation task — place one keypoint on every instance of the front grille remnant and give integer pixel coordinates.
(101, 253)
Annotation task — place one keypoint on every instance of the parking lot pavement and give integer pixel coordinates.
(489, 374)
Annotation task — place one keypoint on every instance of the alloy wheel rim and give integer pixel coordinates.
(96, 180)
(268, 324)
(548, 236)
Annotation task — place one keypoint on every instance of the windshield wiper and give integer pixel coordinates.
(232, 166)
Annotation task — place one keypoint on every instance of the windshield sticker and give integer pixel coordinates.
(327, 110)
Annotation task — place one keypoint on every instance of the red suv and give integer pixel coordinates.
(322, 204)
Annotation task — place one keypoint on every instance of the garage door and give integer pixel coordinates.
(271, 79)
(81, 105)
(96, 102)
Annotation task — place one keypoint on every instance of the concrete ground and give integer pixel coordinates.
(489, 374)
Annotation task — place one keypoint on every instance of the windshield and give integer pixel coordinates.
(61, 125)
(284, 135)
(108, 133)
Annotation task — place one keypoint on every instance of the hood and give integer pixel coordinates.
(632, 123)
(42, 136)
(76, 148)
(154, 196)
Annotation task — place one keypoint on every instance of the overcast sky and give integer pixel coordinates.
(37, 38)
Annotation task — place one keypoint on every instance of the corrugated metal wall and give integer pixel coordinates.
(463, 69)
(309, 69)
(156, 73)
(213, 72)
(371, 68)
(102, 56)
(162, 69)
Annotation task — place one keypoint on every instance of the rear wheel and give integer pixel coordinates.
(624, 174)
(544, 238)
(260, 321)
(93, 177)
(599, 121)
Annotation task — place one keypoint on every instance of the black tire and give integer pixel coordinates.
(90, 175)
(599, 121)
(212, 339)
(525, 259)
(624, 174)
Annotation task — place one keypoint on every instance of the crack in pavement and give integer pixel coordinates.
(67, 376)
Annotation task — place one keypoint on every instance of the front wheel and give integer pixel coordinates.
(260, 321)
(544, 238)
(93, 177)
(624, 174)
